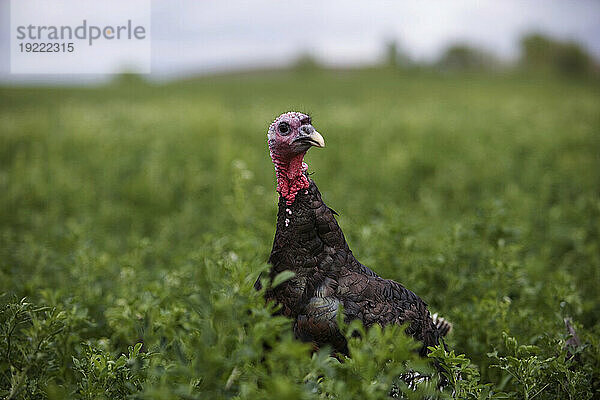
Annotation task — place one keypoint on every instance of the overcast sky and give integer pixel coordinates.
(199, 36)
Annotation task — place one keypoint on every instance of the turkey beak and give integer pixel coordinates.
(316, 138)
(309, 134)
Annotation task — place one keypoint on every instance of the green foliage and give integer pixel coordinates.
(544, 53)
(101, 377)
(462, 57)
(36, 344)
(541, 372)
(134, 220)
(462, 377)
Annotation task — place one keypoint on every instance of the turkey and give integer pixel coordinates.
(309, 242)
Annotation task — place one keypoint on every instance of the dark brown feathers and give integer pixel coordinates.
(309, 242)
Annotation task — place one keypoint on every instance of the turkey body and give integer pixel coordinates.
(309, 242)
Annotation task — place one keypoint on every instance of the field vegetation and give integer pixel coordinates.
(135, 217)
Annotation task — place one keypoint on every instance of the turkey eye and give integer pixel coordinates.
(284, 128)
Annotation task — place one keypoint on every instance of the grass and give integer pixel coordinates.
(136, 213)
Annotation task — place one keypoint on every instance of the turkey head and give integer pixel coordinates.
(289, 138)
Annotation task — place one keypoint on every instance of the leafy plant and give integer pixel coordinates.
(145, 216)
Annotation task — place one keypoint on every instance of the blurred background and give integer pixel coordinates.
(463, 156)
(191, 38)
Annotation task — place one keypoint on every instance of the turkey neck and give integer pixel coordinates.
(290, 176)
(307, 234)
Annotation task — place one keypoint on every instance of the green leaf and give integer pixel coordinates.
(282, 277)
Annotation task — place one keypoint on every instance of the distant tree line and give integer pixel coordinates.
(568, 58)
(463, 57)
(538, 53)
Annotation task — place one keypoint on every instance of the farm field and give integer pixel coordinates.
(135, 218)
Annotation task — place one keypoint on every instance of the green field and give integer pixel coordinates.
(138, 213)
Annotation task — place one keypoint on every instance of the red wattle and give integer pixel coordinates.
(290, 176)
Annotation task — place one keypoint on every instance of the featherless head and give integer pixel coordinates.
(292, 134)
(289, 137)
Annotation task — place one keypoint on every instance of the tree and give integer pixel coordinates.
(565, 57)
(466, 58)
